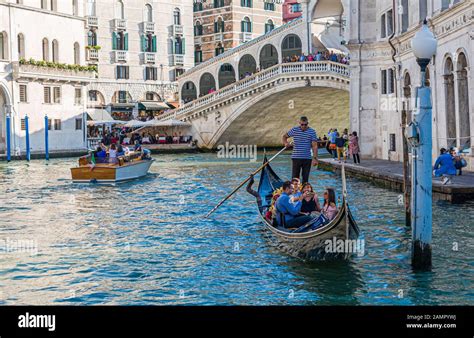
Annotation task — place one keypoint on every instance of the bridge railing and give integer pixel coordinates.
(322, 67)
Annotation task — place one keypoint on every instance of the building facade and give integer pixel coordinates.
(291, 9)
(140, 47)
(220, 25)
(384, 73)
(43, 73)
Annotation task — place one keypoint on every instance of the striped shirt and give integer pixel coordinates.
(302, 140)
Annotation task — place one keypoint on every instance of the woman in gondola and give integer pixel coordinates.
(309, 204)
(329, 209)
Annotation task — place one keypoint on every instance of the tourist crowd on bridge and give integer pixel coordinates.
(319, 56)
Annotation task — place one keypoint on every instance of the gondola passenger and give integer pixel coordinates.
(287, 212)
(329, 207)
(309, 204)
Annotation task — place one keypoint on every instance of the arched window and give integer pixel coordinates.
(21, 46)
(92, 38)
(246, 25)
(197, 54)
(246, 3)
(219, 49)
(198, 28)
(75, 8)
(91, 7)
(148, 14)
(177, 16)
(77, 54)
(45, 49)
(55, 51)
(269, 26)
(119, 10)
(3, 46)
(407, 97)
(219, 25)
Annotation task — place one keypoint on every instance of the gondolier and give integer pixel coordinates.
(305, 140)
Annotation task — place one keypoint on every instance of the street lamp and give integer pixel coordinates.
(419, 134)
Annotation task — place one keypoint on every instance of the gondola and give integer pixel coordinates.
(313, 244)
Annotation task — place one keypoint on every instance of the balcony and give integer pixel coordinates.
(120, 24)
(177, 30)
(177, 60)
(29, 72)
(219, 36)
(148, 27)
(92, 54)
(92, 21)
(246, 36)
(148, 57)
(120, 55)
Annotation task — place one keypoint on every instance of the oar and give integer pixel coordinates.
(245, 181)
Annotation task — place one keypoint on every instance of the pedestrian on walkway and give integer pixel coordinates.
(444, 166)
(354, 147)
(340, 142)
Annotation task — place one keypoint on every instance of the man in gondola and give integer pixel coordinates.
(305, 140)
(288, 211)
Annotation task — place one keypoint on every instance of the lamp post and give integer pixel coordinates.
(419, 134)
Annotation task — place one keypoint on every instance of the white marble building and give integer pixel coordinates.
(384, 72)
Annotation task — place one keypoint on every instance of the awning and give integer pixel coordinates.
(166, 123)
(125, 107)
(152, 105)
(100, 116)
(134, 124)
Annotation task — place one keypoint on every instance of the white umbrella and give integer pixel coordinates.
(166, 123)
(134, 124)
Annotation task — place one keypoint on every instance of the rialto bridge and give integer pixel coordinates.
(249, 95)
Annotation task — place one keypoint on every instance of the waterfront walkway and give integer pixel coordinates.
(389, 174)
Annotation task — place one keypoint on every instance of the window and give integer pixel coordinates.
(387, 81)
(268, 6)
(383, 86)
(246, 25)
(92, 38)
(78, 96)
(3, 45)
(75, 8)
(445, 4)
(383, 26)
(219, 49)
(295, 8)
(269, 26)
(423, 5)
(149, 96)
(218, 3)
(119, 11)
(198, 29)
(246, 3)
(44, 4)
(50, 123)
(392, 143)
(21, 46)
(57, 94)
(23, 124)
(151, 73)
(404, 9)
(197, 6)
(177, 16)
(119, 41)
(91, 7)
(77, 54)
(148, 14)
(93, 95)
(45, 50)
(23, 93)
(219, 25)
(149, 43)
(197, 56)
(122, 72)
(122, 96)
(47, 94)
(386, 24)
(55, 51)
(179, 46)
(57, 124)
(78, 124)
(54, 5)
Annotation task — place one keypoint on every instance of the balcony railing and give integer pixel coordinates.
(219, 36)
(32, 72)
(177, 60)
(177, 30)
(120, 55)
(148, 27)
(92, 21)
(92, 54)
(246, 36)
(120, 24)
(148, 57)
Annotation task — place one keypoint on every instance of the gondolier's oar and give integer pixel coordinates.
(245, 181)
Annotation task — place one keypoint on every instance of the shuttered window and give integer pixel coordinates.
(57, 124)
(23, 93)
(57, 94)
(47, 94)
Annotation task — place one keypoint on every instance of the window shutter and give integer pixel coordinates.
(143, 41)
(242, 26)
(172, 45)
(114, 40)
(182, 46)
(250, 26)
(153, 44)
(215, 26)
(125, 45)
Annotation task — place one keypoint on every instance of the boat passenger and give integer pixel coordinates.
(137, 146)
(113, 153)
(101, 153)
(329, 207)
(295, 182)
(310, 203)
(287, 213)
(120, 151)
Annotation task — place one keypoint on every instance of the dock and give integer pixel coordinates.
(389, 174)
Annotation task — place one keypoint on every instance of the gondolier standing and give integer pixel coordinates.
(305, 140)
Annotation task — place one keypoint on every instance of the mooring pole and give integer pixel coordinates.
(46, 141)
(424, 45)
(27, 138)
(406, 171)
(8, 130)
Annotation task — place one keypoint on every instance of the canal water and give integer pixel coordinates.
(145, 242)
